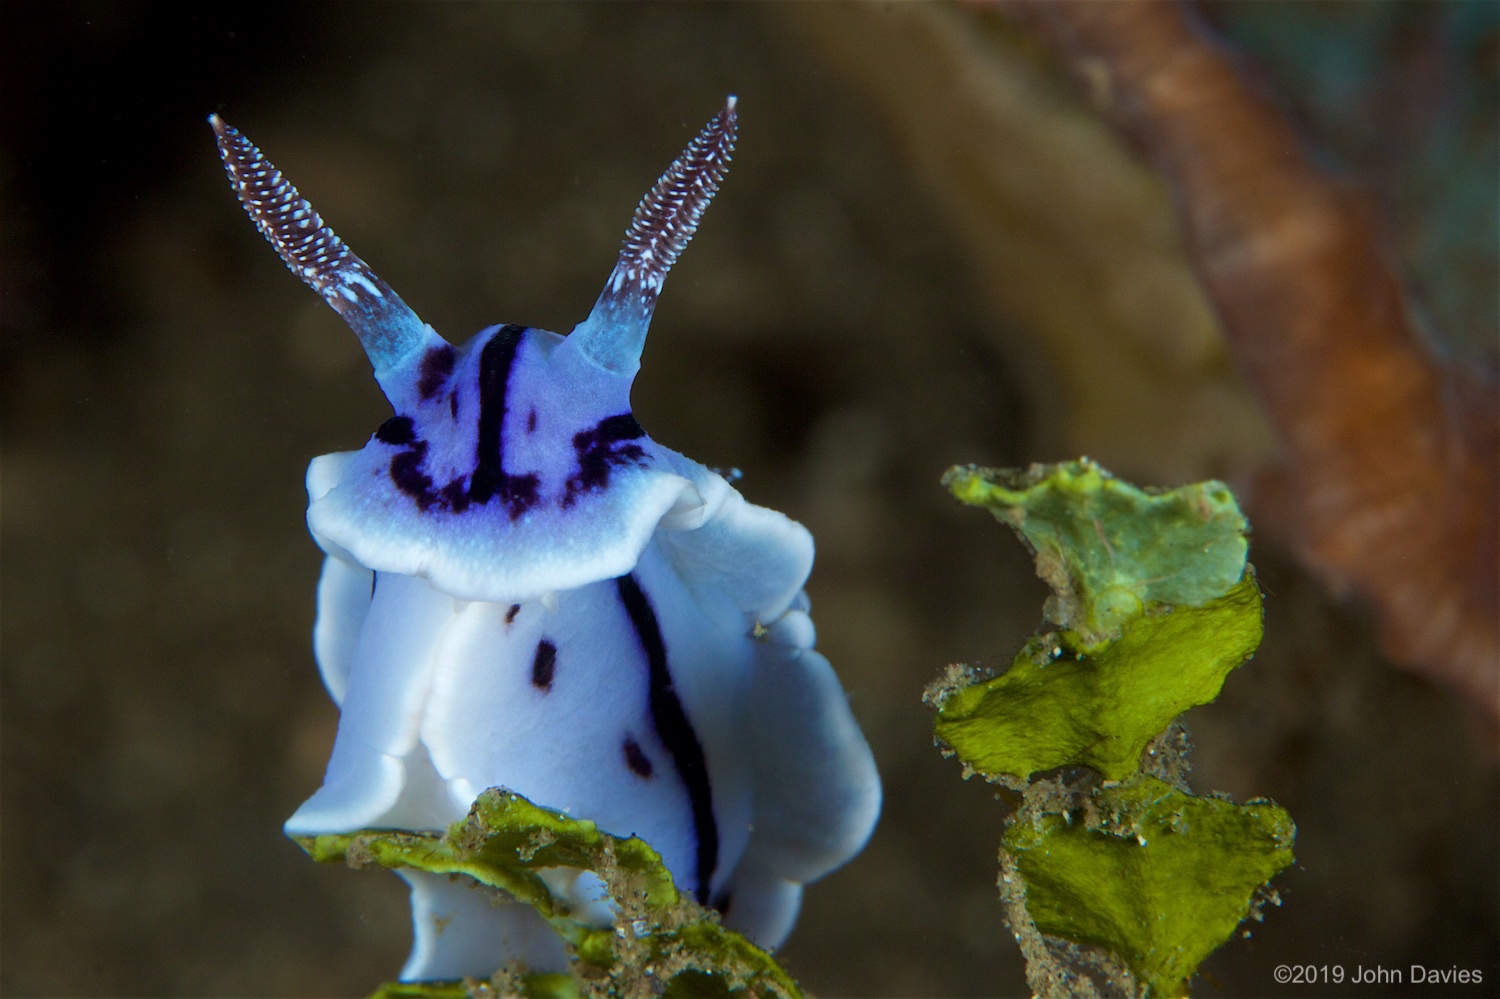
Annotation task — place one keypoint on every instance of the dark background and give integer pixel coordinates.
(165, 382)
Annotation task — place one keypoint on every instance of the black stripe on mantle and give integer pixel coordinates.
(675, 730)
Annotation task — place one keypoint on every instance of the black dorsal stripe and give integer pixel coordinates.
(490, 479)
(495, 362)
(674, 730)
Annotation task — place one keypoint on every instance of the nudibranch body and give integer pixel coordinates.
(523, 590)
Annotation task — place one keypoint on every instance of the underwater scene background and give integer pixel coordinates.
(856, 314)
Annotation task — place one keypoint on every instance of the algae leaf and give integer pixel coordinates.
(1058, 705)
(1136, 880)
(1156, 607)
(662, 942)
(535, 986)
(1161, 879)
(1108, 549)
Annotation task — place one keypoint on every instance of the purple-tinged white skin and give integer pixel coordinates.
(523, 590)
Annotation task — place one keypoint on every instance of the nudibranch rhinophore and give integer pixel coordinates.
(523, 590)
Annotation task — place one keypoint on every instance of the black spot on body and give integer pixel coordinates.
(636, 758)
(531, 421)
(437, 365)
(601, 449)
(674, 730)
(453, 404)
(544, 665)
(397, 431)
(510, 615)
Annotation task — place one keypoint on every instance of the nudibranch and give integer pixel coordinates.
(521, 589)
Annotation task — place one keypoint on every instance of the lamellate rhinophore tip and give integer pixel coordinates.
(614, 334)
(386, 326)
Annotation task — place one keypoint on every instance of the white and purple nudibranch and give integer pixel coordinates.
(523, 590)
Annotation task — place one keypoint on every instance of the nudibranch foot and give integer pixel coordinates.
(460, 928)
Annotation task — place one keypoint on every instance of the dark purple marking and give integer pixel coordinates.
(454, 496)
(437, 365)
(510, 615)
(674, 729)
(517, 492)
(600, 450)
(531, 421)
(636, 758)
(489, 480)
(453, 404)
(407, 474)
(543, 665)
(397, 431)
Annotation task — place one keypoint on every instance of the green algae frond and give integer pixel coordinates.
(1108, 549)
(661, 943)
(1059, 705)
(1161, 878)
(1114, 879)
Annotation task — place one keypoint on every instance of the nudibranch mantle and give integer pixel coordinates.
(521, 589)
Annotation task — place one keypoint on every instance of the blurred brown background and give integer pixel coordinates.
(835, 331)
